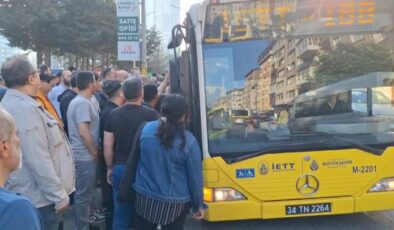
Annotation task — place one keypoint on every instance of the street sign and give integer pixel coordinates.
(127, 37)
(128, 15)
(128, 25)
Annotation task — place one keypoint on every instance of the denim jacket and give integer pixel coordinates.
(174, 174)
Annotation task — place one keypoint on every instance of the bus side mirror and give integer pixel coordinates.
(175, 85)
(176, 38)
(175, 42)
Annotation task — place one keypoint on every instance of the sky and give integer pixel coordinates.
(185, 6)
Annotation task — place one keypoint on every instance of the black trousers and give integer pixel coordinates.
(106, 191)
(142, 224)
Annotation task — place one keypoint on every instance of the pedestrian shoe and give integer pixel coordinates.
(100, 211)
(96, 219)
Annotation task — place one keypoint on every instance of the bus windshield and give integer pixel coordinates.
(304, 87)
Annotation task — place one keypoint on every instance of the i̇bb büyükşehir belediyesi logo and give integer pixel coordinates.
(263, 168)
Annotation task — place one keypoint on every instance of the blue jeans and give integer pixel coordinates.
(49, 217)
(122, 210)
(84, 190)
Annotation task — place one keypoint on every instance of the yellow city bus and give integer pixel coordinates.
(263, 55)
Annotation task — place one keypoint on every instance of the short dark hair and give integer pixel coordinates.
(73, 81)
(72, 68)
(84, 78)
(132, 88)
(105, 72)
(16, 70)
(150, 92)
(96, 76)
(110, 87)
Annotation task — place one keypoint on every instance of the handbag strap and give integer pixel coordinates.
(128, 177)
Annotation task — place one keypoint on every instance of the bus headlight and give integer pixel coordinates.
(384, 185)
(222, 194)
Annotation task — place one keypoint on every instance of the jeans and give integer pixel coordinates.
(84, 190)
(122, 210)
(49, 217)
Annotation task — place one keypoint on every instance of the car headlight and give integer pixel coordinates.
(222, 194)
(384, 185)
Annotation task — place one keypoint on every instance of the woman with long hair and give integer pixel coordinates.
(169, 173)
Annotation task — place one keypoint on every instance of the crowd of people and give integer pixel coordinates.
(60, 141)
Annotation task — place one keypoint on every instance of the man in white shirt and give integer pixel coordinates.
(56, 91)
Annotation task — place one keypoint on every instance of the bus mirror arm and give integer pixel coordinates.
(177, 37)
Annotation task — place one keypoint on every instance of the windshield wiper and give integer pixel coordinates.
(359, 146)
(311, 145)
(300, 146)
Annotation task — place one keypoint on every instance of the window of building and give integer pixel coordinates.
(292, 54)
(281, 73)
(291, 67)
(291, 80)
(280, 85)
(282, 61)
(290, 94)
(282, 51)
(378, 37)
(356, 37)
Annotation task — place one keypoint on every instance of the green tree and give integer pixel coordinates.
(349, 60)
(157, 57)
(29, 24)
(153, 41)
(158, 61)
(84, 28)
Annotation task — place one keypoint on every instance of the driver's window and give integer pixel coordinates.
(359, 100)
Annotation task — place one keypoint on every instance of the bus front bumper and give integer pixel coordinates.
(242, 210)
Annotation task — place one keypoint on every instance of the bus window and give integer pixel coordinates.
(359, 100)
(333, 104)
(304, 109)
(382, 101)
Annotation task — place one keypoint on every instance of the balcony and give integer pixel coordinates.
(304, 65)
(307, 48)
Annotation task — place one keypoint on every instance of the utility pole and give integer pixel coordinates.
(143, 39)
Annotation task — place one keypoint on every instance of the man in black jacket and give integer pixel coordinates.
(66, 97)
(113, 90)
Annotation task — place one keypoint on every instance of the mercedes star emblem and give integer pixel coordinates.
(307, 185)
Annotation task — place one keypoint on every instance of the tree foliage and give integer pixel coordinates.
(349, 60)
(84, 28)
(153, 41)
(158, 61)
(157, 57)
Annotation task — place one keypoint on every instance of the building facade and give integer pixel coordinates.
(164, 15)
(235, 99)
(264, 85)
(252, 90)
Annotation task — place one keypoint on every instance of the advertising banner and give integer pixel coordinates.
(128, 14)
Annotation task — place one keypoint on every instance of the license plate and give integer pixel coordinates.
(308, 209)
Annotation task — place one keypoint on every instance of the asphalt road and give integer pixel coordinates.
(373, 221)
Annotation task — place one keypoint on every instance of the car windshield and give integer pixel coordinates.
(290, 91)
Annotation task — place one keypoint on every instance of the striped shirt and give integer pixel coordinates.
(158, 212)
